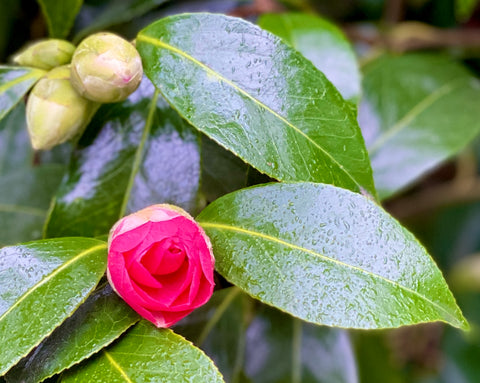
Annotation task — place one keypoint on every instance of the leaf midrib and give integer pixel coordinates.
(139, 152)
(117, 367)
(20, 209)
(328, 259)
(51, 276)
(210, 71)
(31, 74)
(413, 113)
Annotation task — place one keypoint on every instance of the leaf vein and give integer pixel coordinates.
(328, 259)
(210, 71)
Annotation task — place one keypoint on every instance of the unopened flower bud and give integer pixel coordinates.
(46, 54)
(55, 110)
(106, 68)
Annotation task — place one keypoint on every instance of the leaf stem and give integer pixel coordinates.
(297, 351)
(218, 314)
(139, 154)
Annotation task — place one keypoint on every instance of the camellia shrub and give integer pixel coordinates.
(215, 197)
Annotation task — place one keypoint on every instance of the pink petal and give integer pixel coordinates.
(128, 240)
(142, 276)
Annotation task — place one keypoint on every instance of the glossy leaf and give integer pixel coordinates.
(280, 348)
(323, 44)
(328, 256)
(113, 12)
(257, 97)
(60, 15)
(144, 153)
(14, 83)
(15, 149)
(41, 284)
(418, 110)
(219, 328)
(94, 325)
(147, 354)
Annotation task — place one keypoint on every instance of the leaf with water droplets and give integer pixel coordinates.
(41, 284)
(328, 256)
(258, 97)
(95, 324)
(14, 83)
(418, 110)
(323, 43)
(147, 354)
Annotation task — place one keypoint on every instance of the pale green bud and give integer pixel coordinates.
(106, 68)
(55, 110)
(46, 54)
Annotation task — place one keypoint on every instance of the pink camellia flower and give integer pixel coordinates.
(160, 262)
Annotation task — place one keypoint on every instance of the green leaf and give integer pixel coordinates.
(14, 83)
(94, 325)
(418, 110)
(323, 43)
(115, 12)
(257, 97)
(25, 196)
(41, 284)
(144, 153)
(25, 191)
(147, 354)
(60, 15)
(219, 329)
(328, 256)
(281, 348)
(15, 149)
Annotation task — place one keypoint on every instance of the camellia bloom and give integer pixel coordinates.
(106, 68)
(160, 262)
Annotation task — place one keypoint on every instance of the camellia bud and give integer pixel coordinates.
(46, 54)
(55, 110)
(106, 68)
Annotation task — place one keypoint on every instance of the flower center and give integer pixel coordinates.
(164, 257)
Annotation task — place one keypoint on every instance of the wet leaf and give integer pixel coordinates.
(328, 256)
(144, 153)
(257, 97)
(147, 354)
(280, 348)
(95, 324)
(323, 43)
(14, 83)
(418, 110)
(60, 15)
(41, 284)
